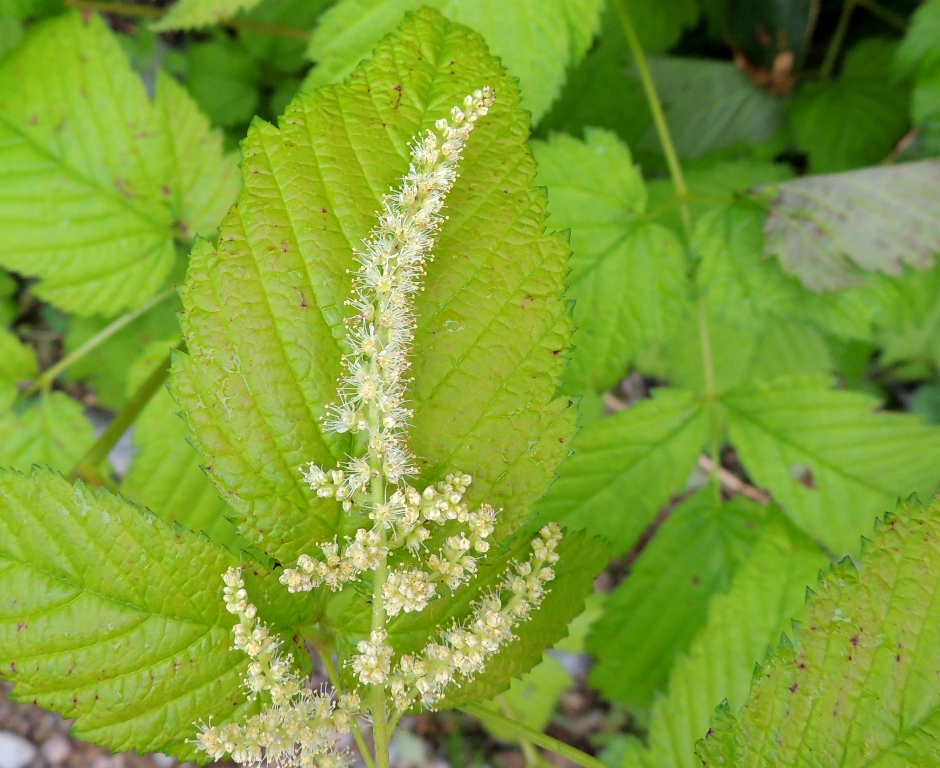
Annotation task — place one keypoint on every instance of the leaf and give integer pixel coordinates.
(918, 51)
(192, 14)
(829, 459)
(52, 431)
(17, 363)
(627, 277)
(660, 23)
(858, 685)
(913, 332)
(855, 120)
(165, 476)
(652, 617)
(825, 229)
(264, 315)
(82, 143)
(711, 106)
(224, 81)
(117, 620)
(530, 700)
(537, 40)
(768, 589)
(284, 54)
(624, 468)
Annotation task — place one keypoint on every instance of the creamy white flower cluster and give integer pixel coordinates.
(380, 333)
(462, 650)
(300, 726)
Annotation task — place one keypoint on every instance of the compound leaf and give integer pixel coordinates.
(768, 589)
(263, 315)
(657, 610)
(627, 277)
(537, 39)
(829, 459)
(624, 468)
(191, 14)
(859, 685)
(94, 191)
(117, 620)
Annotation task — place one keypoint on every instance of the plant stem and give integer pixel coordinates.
(50, 374)
(535, 737)
(838, 37)
(131, 9)
(87, 468)
(659, 118)
(333, 674)
(885, 14)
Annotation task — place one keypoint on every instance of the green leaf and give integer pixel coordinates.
(919, 52)
(17, 363)
(652, 617)
(536, 39)
(660, 23)
(768, 589)
(829, 459)
(117, 620)
(191, 14)
(827, 229)
(224, 81)
(531, 700)
(854, 120)
(284, 54)
(263, 316)
(52, 431)
(93, 188)
(858, 685)
(912, 334)
(624, 468)
(165, 476)
(627, 276)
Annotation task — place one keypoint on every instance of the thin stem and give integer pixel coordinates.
(659, 117)
(876, 9)
(132, 9)
(838, 37)
(50, 374)
(87, 468)
(528, 748)
(536, 737)
(337, 682)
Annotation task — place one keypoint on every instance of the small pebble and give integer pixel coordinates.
(56, 749)
(15, 751)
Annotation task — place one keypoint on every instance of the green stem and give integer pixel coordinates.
(659, 117)
(87, 468)
(50, 374)
(145, 11)
(838, 37)
(876, 9)
(333, 674)
(535, 737)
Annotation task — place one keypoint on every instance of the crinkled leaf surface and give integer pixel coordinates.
(659, 607)
(768, 590)
(859, 685)
(191, 14)
(832, 462)
(627, 276)
(824, 229)
(624, 468)
(52, 431)
(166, 477)
(263, 315)
(537, 39)
(855, 119)
(116, 620)
(96, 181)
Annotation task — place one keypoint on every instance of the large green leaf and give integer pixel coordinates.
(284, 54)
(116, 620)
(626, 467)
(659, 608)
(825, 229)
(224, 80)
(913, 334)
(830, 460)
(165, 475)
(768, 590)
(856, 119)
(191, 14)
(96, 181)
(536, 39)
(52, 431)
(627, 276)
(918, 57)
(263, 315)
(660, 23)
(859, 685)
